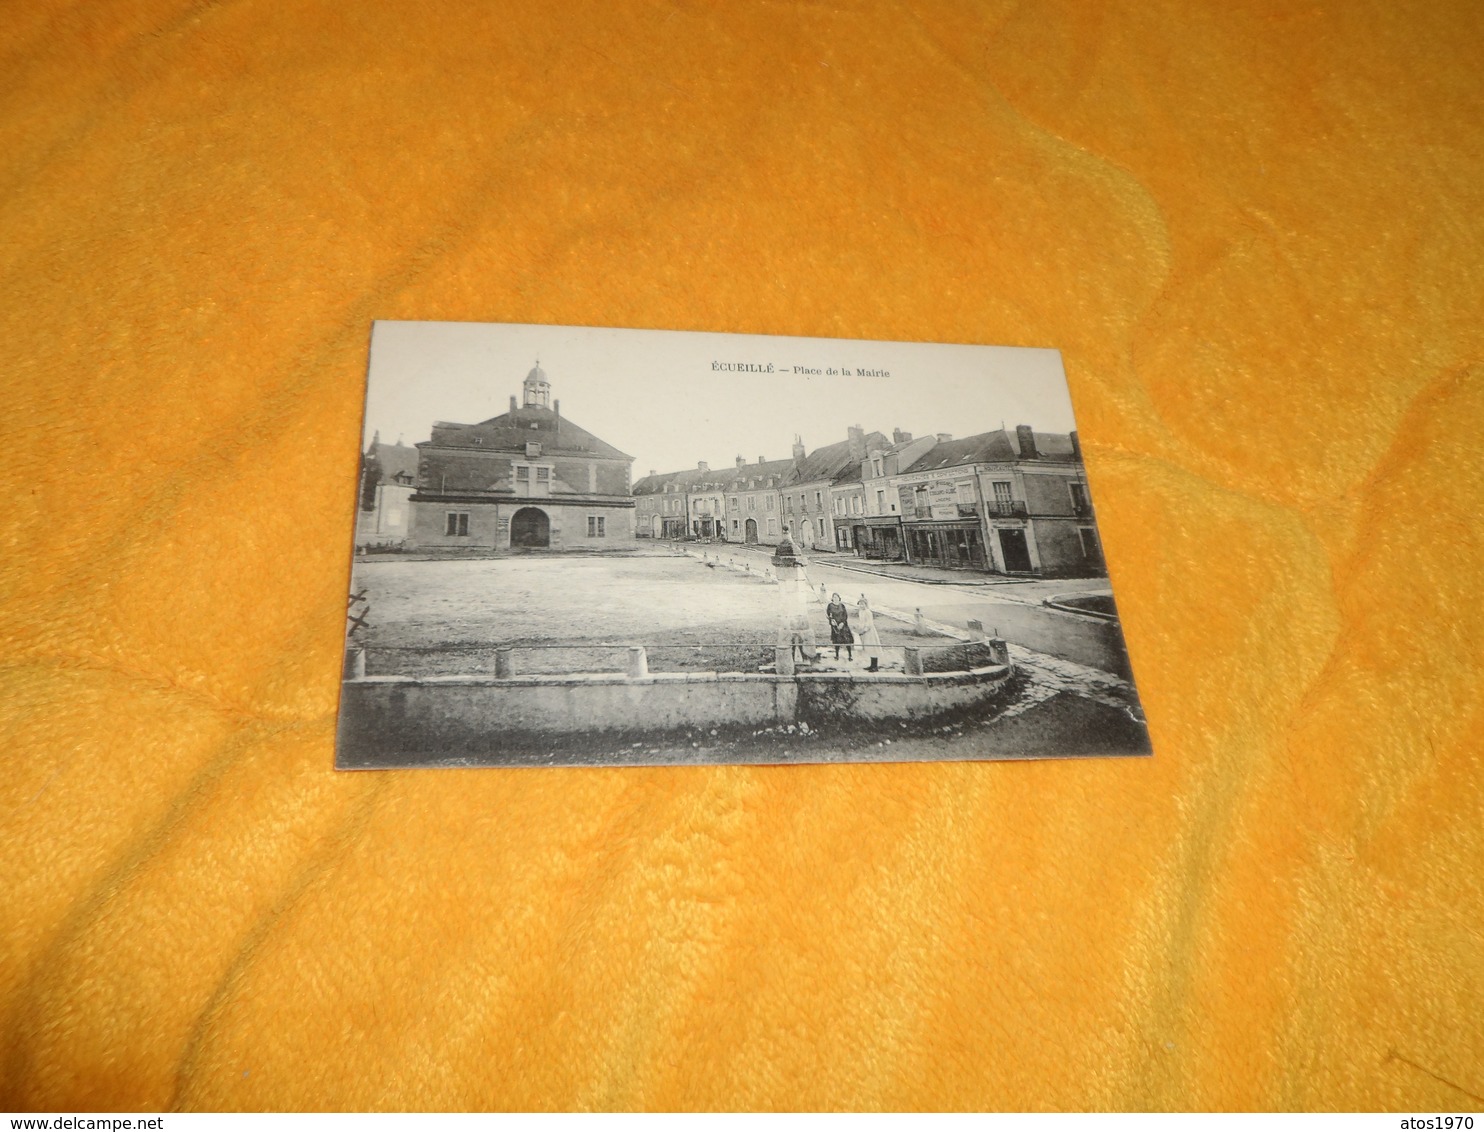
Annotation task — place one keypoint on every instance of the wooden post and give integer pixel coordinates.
(504, 664)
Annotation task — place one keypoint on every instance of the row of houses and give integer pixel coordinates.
(1011, 502)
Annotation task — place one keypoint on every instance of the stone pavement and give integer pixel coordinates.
(902, 571)
(1050, 675)
(928, 575)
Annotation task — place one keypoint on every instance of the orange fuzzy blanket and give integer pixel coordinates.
(1255, 230)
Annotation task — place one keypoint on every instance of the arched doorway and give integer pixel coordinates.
(752, 530)
(657, 527)
(529, 527)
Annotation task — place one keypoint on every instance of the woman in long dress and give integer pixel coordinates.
(840, 634)
(866, 630)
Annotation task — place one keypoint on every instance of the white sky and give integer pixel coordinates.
(654, 394)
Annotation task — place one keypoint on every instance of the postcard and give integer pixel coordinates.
(579, 546)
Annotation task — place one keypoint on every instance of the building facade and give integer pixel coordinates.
(674, 523)
(682, 505)
(848, 502)
(525, 480)
(705, 503)
(388, 479)
(808, 500)
(879, 535)
(654, 506)
(1001, 503)
(998, 502)
(753, 505)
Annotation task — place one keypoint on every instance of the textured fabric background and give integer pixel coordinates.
(1256, 231)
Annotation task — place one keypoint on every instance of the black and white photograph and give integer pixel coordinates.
(581, 546)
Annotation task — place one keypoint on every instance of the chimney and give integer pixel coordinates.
(512, 402)
(556, 406)
(857, 442)
(702, 466)
(1027, 438)
(898, 436)
(798, 449)
(741, 462)
(1076, 445)
(944, 437)
(653, 473)
(762, 460)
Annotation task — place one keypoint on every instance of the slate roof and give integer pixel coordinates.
(653, 485)
(727, 477)
(997, 447)
(395, 458)
(691, 479)
(510, 432)
(833, 460)
(778, 470)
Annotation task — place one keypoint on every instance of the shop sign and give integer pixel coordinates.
(943, 500)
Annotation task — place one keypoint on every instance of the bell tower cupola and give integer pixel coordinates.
(537, 388)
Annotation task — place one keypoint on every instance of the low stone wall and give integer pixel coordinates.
(462, 713)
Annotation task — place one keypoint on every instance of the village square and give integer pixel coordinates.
(963, 577)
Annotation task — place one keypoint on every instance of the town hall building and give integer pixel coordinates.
(526, 480)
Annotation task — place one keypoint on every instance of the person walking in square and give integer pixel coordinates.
(840, 634)
(870, 639)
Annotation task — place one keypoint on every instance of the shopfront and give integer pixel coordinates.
(881, 539)
(952, 545)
